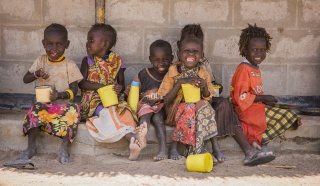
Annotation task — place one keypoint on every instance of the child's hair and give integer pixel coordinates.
(191, 30)
(108, 30)
(252, 32)
(161, 44)
(56, 28)
(191, 39)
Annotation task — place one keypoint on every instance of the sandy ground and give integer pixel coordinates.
(117, 170)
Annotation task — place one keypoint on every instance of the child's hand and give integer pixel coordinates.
(127, 90)
(200, 83)
(41, 73)
(189, 80)
(54, 94)
(117, 88)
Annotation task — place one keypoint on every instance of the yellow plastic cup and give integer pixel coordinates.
(191, 93)
(108, 96)
(43, 93)
(199, 163)
(216, 90)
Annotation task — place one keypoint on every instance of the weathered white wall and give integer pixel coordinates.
(292, 67)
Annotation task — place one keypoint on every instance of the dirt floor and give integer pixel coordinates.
(117, 170)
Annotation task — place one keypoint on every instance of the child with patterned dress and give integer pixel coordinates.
(260, 123)
(60, 117)
(194, 122)
(100, 68)
(150, 106)
(227, 121)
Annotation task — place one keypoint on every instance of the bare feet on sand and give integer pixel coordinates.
(162, 155)
(219, 155)
(174, 154)
(134, 149)
(64, 156)
(142, 133)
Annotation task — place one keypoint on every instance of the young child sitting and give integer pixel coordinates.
(227, 121)
(194, 122)
(100, 68)
(150, 107)
(61, 117)
(260, 123)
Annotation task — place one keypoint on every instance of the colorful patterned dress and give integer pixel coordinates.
(260, 123)
(193, 124)
(62, 117)
(106, 124)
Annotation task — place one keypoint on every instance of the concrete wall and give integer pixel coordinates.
(292, 67)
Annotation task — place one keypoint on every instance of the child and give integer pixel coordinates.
(100, 68)
(227, 121)
(60, 118)
(150, 107)
(260, 123)
(194, 122)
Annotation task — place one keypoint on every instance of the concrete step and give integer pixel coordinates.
(306, 138)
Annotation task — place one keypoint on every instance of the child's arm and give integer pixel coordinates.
(119, 87)
(84, 84)
(30, 77)
(64, 95)
(265, 98)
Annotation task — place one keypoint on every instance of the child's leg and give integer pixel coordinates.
(250, 152)
(63, 151)
(158, 122)
(174, 154)
(31, 149)
(216, 151)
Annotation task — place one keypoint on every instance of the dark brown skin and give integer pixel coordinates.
(55, 44)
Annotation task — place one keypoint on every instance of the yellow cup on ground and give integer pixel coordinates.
(216, 90)
(191, 93)
(43, 93)
(108, 96)
(199, 162)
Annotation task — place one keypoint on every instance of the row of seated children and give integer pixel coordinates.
(162, 100)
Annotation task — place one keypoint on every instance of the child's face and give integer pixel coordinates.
(97, 43)
(190, 54)
(161, 58)
(55, 43)
(256, 51)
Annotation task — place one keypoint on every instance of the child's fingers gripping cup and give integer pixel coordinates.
(199, 162)
(108, 96)
(191, 93)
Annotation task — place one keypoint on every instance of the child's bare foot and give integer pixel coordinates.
(174, 154)
(28, 153)
(142, 133)
(64, 156)
(219, 155)
(162, 155)
(134, 149)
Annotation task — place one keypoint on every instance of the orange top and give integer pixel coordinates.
(245, 85)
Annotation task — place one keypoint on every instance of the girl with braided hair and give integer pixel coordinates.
(260, 123)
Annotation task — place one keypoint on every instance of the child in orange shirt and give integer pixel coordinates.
(260, 123)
